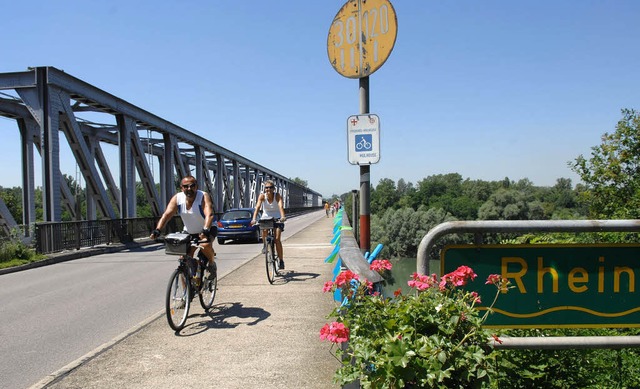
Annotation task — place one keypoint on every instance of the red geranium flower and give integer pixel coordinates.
(345, 277)
(458, 277)
(421, 281)
(334, 332)
(380, 265)
(493, 279)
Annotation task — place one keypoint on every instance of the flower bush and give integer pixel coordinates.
(429, 338)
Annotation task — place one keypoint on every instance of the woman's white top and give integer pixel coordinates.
(270, 209)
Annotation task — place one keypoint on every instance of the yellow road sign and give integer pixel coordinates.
(361, 37)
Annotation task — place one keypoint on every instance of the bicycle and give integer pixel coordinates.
(192, 276)
(271, 257)
(363, 144)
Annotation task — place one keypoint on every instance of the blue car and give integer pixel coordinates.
(235, 224)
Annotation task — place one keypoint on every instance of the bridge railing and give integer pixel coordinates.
(352, 257)
(53, 237)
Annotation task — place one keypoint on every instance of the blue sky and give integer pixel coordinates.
(487, 89)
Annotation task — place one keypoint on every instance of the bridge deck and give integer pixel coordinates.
(257, 335)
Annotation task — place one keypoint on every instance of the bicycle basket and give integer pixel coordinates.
(177, 243)
(267, 222)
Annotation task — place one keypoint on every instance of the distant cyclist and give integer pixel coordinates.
(196, 211)
(272, 206)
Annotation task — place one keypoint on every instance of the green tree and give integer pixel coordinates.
(439, 188)
(300, 182)
(384, 196)
(79, 197)
(12, 198)
(562, 194)
(407, 195)
(505, 204)
(561, 200)
(612, 174)
(401, 230)
(143, 208)
(479, 190)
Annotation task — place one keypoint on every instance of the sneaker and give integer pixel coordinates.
(281, 265)
(264, 250)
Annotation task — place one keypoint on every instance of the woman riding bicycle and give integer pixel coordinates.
(272, 206)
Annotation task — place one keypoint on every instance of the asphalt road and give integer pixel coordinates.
(55, 314)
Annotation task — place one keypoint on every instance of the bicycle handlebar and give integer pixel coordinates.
(195, 241)
(275, 220)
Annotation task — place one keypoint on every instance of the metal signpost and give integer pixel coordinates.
(360, 40)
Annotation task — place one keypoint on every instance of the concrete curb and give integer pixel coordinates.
(77, 254)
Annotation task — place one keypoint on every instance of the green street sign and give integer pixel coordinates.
(554, 286)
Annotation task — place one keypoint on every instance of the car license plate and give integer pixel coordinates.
(235, 226)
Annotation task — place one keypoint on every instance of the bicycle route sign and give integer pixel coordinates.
(363, 139)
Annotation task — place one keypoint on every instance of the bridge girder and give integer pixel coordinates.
(48, 101)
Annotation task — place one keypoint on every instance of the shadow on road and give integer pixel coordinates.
(223, 315)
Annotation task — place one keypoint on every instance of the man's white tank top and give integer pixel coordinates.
(271, 209)
(193, 218)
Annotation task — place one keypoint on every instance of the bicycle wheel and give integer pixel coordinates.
(178, 300)
(209, 287)
(272, 265)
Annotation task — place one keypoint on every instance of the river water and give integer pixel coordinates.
(402, 270)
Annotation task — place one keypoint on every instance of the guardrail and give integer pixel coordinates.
(487, 226)
(53, 237)
(352, 257)
(479, 227)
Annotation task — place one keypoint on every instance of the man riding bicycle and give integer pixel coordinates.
(272, 206)
(196, 211)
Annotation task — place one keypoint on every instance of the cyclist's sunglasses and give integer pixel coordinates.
(268, 187)
(189, 186)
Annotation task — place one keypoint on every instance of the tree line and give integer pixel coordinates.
(12, 197)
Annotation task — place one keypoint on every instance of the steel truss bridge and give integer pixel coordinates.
(47, 102)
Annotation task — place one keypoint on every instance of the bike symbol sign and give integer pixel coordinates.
(363, 142)
(363, 139)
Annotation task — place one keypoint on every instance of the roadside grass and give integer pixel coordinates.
(15, 253)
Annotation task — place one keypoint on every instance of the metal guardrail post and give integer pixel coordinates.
(78, 235)
(354, 213)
